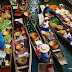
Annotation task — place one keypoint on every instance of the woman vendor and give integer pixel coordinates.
(68, 36)
(45, 53)
(18, 26)
(2, 41)
(45, 26)
(47, 10)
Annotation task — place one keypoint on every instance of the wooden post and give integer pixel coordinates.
(0, 6)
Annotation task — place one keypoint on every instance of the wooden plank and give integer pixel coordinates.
(22, 67)
(56, 50)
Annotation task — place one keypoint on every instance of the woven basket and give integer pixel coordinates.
(21, 62)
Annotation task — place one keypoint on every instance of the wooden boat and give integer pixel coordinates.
(23, 52)
(57, 51)
(32, 24)
(19, 11)
(61, 35)
(43, 67)
(7, 32)
(64, 21)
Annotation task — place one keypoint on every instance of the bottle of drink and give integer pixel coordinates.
(3, 63)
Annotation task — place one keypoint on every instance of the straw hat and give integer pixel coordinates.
(48, 15)
(47, 5)
(27, 14)
(44, 48)
(16, 20)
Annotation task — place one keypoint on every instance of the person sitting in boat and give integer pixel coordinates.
(2, 41)
(45, 26)
(45, 53)
(47, 10)
(18, 26)
(67, 34)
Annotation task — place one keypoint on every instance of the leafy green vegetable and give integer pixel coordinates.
(54, 20)
(18, 33)
(22, 7)
(13, 2)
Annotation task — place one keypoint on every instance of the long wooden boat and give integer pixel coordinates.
(58, 53)
(7, 33)
(21, 8)
(29, 24)
(24, 52)
(59, 32)
(66, 18)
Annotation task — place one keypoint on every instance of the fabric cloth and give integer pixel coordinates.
(45, 57)
(46, 24)
(19, 25)
(45, 29)
(47, 10)
(67, 35)
(2, 41)
(41, 19)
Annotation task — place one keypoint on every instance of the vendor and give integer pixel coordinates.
(45, 26)
(47, 10)
(45, 53)
(2, 41)
(18, 26)
(67, 34)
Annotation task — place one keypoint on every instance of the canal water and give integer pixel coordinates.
(34, 6)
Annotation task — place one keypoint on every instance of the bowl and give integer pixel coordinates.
(34, 36)
(53, 44)
(19, 47)
(22, 60)
(27, 14)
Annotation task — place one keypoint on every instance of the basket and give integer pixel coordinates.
(53, 44)
(20, 61)
(34, 36)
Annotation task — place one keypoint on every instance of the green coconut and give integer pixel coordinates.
(7, 38)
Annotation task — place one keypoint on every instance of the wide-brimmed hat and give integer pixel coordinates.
(44, 48)
(47, 5)
(16, 20)
(46, 18)
(27, 14)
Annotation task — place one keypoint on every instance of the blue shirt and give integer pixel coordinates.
(2, 41)
(45, 57)
(47, 10)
